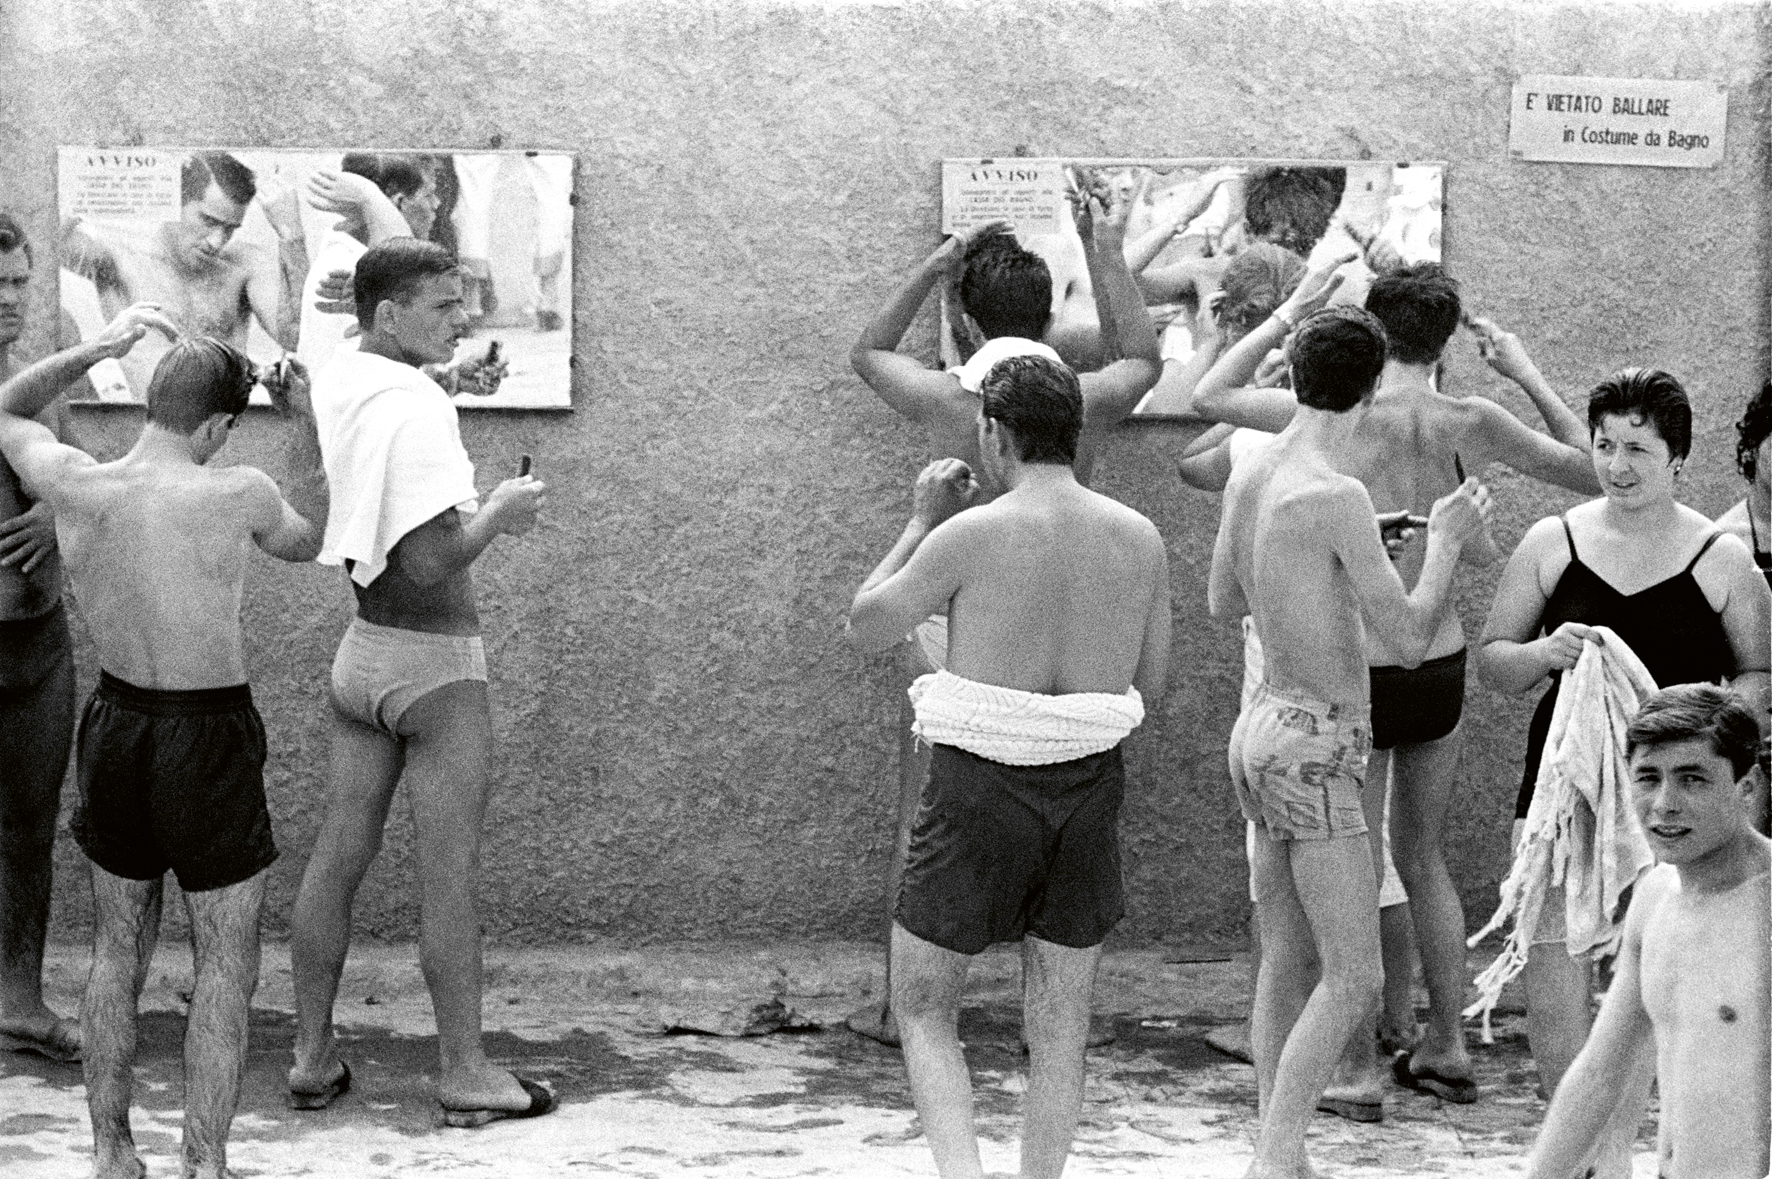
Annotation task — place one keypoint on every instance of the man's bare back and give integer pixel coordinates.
(1706, 958)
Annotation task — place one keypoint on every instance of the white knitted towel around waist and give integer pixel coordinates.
(1020, 728)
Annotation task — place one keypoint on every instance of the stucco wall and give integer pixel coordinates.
(686, 747)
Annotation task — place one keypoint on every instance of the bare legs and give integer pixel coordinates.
(1422, 778)
(36, 729)
(927, 984)
(1319, 907)
(224, 940)
(442, 753)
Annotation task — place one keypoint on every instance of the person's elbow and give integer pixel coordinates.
(868, 629)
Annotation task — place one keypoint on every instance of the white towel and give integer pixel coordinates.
(974, 371)
(1020, 728)
(1580, 831)
(393, 454)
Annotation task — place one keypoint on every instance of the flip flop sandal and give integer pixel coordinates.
(1458, 1090)
(541, 1101)
(1353, 1111)
(321, 1098)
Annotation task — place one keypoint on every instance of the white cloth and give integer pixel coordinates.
(974, 371)
(1020, 728)
(322, 331)
(1581, 832)
(393, 454)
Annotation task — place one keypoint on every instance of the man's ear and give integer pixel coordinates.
(386, 317)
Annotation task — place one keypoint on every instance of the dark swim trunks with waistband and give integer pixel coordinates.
(1413, 705)
(173, 780)
(998, 851)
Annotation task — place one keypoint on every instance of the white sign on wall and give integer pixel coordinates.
(1029, 194)
(1643, 121)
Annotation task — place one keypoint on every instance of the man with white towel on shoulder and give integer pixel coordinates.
(1058, 617)
(409, 681)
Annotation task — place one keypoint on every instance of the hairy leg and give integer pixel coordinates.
(36, 729)
(1396, 939)
(1056, 1002)
(927, 982)
(1356, 1075)
(448, 736)
(1329, 887)
(224, 948)
(365, 766)
(1423, 782)
(126, 924)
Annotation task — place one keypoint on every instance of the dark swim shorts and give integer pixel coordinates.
(173, 780)
(1412, 705)
(998, 851)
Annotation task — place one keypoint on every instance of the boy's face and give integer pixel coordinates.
(1687, 799)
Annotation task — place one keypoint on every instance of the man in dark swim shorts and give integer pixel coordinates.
(171, 750)
(1058, 601)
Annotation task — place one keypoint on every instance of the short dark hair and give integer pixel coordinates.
(231, 176)
(395, 174)
(1418, 306)
(12, 237)
(1255, 283)
(394, 270)
(1040, 403)
(1337, 355)
(1007, 289)
(197, 377)
(1750, 431)
(1292, 207)
(1651, 395)
(1689, 711)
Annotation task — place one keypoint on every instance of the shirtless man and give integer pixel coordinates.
(409, 684)
(1058, 600)
(1010, 298)
(1691, 979)
(171, 757)
(1417, 445)
(36, 716)
(1298, 548)
(206, 282)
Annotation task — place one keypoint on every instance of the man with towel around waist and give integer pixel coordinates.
(409, 681)
(1058, 609)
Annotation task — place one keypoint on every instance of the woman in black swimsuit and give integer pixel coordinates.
(1682, 594)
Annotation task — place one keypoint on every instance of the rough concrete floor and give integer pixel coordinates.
(638, 1102)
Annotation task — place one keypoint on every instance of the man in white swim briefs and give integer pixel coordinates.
(1058, 607)
(409, 681)
(1007, 291)
(1299, 550)
(1690, 982)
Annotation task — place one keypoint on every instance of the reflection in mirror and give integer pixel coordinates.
(239, 244)
(1214, 245)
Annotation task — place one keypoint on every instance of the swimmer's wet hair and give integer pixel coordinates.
(235, 179)
(1689, 711)
(1040, 403)
(12, 237)
(1750, 431)
(196, 378)
(1005, 288)
(1292, 207)
(395, 174)
(1337, 355)
(1418, 306)
(394, 270)
(1645, 396)
(1255, 283)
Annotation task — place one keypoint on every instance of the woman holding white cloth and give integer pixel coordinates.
(1684, 596)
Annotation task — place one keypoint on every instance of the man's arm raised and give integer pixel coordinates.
(1563, 457)
(917, 393)
(1407, 620)
(922, 572)
(1129, 342)
(1227, 393)
(273, 285)
(294, 516)
(444, 545)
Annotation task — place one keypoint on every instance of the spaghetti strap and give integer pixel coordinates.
(1570, 536)
(1708, 541)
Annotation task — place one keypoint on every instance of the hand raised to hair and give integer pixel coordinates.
(944, 488)
(130, 325)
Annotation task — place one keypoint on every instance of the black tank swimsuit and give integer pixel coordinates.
(1669, 625)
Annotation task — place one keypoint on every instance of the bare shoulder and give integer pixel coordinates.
(1735, 521)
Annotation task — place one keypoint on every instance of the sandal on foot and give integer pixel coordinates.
(541, 1101)
(1353, 1111)
(321, 1098)
(874, 1023)
(61, 1043)
(1458, 1090)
